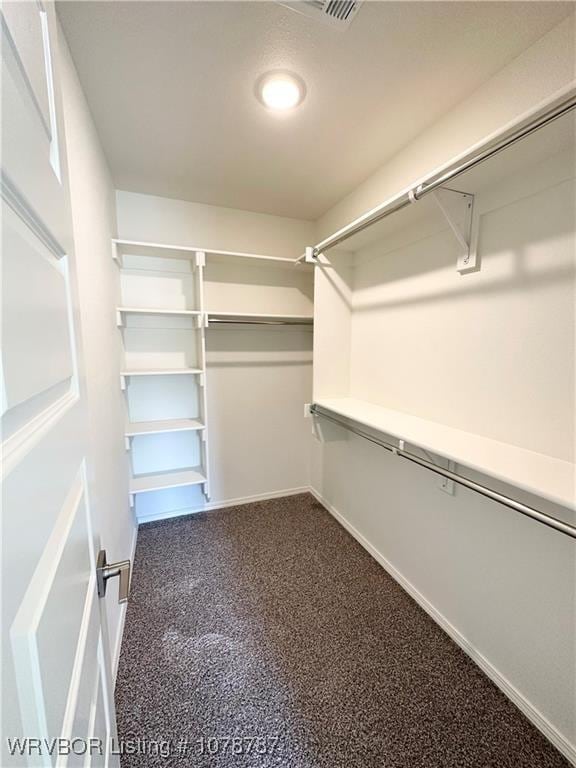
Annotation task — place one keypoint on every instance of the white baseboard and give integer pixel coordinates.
(211, 505)
(531, 712)
(120, 629)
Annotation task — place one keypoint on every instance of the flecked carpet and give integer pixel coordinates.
(264, 635)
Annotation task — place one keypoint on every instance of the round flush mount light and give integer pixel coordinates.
(280, 91)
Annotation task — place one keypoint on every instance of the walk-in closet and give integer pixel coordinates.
(289, 384)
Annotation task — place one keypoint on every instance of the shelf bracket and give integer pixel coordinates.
(119, 321)
(200, 258)
(116, 255)
(458, 210)
(122, 382)
(309, 257)
(206, 491)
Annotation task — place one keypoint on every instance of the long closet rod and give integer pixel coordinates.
(517, 506)
(412, 195)
(258, 322)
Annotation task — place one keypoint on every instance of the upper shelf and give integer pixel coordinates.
(151, 311)
(544, 476)
(162, 372)
(134, 429)
(140, 248)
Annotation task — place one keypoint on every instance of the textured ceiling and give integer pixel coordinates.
(171, 89)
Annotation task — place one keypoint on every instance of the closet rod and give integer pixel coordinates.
(407, 198)
(517, 506)
(258, 322)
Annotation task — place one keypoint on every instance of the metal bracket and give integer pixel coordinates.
(309, 256)
(458, 210)
(444, 483)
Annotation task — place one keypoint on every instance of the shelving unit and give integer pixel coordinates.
(149, 274)
(163, 317)
(396, 326)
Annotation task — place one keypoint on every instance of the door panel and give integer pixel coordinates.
(34, 300)
(56, 678)
(25, 28)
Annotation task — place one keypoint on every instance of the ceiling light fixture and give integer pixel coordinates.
(280, 91)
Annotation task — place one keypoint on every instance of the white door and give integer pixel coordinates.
(56, 681)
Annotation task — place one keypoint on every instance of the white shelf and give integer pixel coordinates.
(158, 427)
(149, 311)
(247, 316)
(545, 476)
(140, 248)
(163, 372)
(170, 479)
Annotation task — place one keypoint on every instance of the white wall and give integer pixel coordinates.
(258, 378)
(491, 352)
(93, 213)
(160, 219)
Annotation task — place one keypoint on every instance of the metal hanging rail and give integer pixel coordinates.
(230, 321)
(517, 506)
(407, 198)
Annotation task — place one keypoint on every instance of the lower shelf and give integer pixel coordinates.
(544, 476)
(171, 479)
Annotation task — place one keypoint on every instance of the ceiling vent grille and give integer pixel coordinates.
(337, 13)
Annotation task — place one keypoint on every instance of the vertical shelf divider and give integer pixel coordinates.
(203, 322)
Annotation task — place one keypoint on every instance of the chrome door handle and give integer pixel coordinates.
(105, 571)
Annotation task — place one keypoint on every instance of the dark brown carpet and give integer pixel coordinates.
(270, 624)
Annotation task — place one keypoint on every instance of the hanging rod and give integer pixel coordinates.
(517, 506)
(258, 322)
(407, 198)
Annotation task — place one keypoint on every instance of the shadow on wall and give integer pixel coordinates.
(260, 344)
(509, 237)
(259, 274)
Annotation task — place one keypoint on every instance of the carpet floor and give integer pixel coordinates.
(264, 635)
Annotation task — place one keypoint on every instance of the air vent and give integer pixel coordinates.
(337, 13)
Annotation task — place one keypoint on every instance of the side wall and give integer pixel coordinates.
(500, 584)
(258, 378)
(93, 212)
